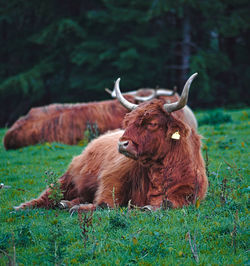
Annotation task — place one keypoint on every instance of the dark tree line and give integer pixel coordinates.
(69, 51)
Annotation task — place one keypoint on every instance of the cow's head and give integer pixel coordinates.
(150, 127)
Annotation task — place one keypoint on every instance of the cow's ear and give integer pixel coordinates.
(177, 130)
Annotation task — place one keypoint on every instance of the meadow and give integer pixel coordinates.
(211, 232)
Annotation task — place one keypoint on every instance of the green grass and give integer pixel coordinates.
(218, 227)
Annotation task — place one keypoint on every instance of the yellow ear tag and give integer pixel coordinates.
(176, 135)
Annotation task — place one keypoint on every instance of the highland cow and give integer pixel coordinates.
(155, 160)
(65, 123)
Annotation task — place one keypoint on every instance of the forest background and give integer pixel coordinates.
(69, 51)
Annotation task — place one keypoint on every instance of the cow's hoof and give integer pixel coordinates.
(74, 209)
(63, 204)
(82, 208)
(18, 208)
(147, 208)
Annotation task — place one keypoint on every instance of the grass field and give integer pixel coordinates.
(214, 232)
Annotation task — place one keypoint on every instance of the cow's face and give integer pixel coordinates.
(146, 130)
(149, 125)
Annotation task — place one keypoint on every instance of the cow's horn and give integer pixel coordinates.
(164, 92)
(146, 98)
(171, 107)
(121, 99)
(109, 92)
(155, 93)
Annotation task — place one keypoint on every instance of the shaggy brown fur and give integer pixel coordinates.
(66, 123)
(156, 167)
(63, 123)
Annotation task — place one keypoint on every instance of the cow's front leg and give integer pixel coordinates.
(67, 204)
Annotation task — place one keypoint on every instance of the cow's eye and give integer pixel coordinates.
(152, 126)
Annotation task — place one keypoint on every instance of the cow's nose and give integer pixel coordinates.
(123, 144)
(128, 148)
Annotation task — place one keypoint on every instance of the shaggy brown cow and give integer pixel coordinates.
(162, 162)
(66, 123)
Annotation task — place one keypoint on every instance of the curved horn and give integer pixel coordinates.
(156, 93)
(112, 93)
(146, 98)
(164, 92)
(121, 99)
(171, 107)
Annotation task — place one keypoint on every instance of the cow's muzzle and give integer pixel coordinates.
(128, 148)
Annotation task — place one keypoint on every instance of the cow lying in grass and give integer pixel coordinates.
(155, 159)
(65, 123)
